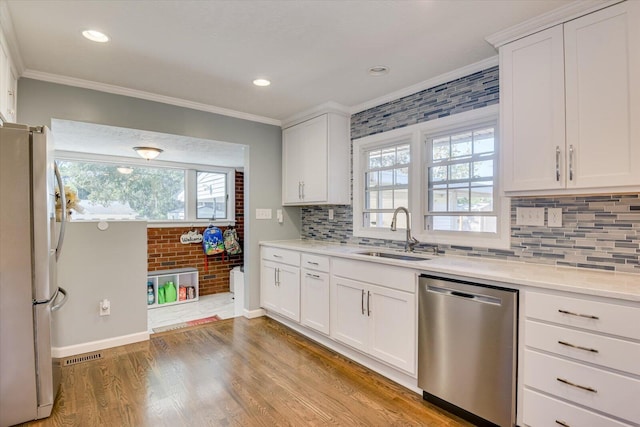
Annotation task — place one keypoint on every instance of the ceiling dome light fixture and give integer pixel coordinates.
(148, 153)
(95, 36)
(379, 70)
(261, 82)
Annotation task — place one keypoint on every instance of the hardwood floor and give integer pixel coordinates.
(234, 372)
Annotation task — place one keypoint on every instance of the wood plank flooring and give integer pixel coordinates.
(234, 372)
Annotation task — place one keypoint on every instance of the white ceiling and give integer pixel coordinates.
(209, 51)
(89, 138)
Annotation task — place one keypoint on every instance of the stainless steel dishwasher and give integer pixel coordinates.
(467, 349)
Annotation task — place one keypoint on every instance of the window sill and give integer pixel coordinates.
(165, 224)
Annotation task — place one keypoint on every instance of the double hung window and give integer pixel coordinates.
(461, 170)
(445, 171)
(162, 194)
(386, 183)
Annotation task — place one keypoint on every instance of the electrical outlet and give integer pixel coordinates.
(530, 216)
(331, 215)
(264, 213)
(554, 217)
(105, 307)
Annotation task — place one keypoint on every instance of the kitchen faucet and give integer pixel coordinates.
(411, 241)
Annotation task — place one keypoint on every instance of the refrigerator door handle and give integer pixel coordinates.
(63, 203)
(57, 306)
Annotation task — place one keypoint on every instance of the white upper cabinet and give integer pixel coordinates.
(315, 161)
(532, 111)
(602, 64)
(8, 83)
(569, 95)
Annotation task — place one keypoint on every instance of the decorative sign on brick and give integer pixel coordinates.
(192, 236)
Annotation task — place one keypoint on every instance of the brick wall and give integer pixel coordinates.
(166, 252)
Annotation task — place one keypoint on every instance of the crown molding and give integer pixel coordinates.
(9, 35)
(546, 20)
(327, 107)
(427, 84)
(119, 90)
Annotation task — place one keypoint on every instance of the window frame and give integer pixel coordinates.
(429, 162)
(190, 189)
(360, 147)
(418, 183)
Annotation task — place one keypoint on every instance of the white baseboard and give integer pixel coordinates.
(72, 350)
(252, 314)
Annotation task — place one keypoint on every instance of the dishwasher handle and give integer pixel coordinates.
(485, 299)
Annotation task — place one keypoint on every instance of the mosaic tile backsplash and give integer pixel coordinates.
(474, 91)
(598, 232)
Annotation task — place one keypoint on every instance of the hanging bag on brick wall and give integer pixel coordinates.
(231, 242)
(212, 243)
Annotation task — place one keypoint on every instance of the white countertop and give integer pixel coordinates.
(625, 286)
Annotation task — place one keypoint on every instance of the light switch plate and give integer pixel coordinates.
(554, 217)
(264, 213)
(530, 216)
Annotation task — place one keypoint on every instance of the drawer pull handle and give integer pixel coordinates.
(592, 350)
(277, 256)
(588, 316)
(312, 263)
(562, 423)
(582, 387)
(314, 276)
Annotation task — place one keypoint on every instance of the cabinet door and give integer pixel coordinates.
(304, 162)
(532, 112)
(5, 76)
(602, 56)
(268, 286)
(349, 321)
(315, 308)
(289, 289)
(315, 174)
(12, 97)
(292, 164)
(392, 330)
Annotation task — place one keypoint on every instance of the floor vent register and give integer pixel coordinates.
(82, 358)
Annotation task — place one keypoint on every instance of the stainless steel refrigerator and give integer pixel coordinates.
(29, 248)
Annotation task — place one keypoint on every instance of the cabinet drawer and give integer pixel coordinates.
(600, 350)
(403, 279)
(544, 411)
(281, 255)
(592, 315)
(315, 262)
(611, 393)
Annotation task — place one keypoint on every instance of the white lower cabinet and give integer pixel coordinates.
(581, 361)
(314, 293)
(376, 320)
(543, 410)
(280, 283)
(366, 306)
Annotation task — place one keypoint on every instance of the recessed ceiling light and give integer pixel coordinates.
(95, 36)
(261, 82)
(378, 70)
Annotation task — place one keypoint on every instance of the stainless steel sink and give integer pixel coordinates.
(402, 257)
